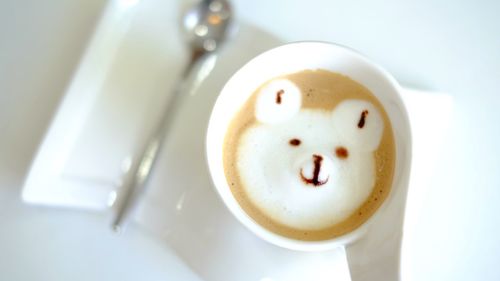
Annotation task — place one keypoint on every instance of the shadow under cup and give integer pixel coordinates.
(292, 58)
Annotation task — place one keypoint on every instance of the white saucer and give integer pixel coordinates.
(181, 207)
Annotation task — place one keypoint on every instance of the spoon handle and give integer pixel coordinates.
(137, 177)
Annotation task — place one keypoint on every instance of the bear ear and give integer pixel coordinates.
(359, 123)
(277, 101)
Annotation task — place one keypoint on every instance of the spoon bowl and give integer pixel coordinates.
(205, 26)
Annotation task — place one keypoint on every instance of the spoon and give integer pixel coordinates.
(205, 27)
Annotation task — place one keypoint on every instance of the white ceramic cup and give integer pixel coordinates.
(292, 58)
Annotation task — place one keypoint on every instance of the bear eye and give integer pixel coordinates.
(294, 142)
(341, 152)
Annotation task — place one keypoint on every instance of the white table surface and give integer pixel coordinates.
(448, 46)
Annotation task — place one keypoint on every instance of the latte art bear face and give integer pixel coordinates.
(308, 168)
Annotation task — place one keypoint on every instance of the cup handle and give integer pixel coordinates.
(375, 257)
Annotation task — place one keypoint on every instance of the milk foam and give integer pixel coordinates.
(272, 171)
(346, 119)
(273, 109)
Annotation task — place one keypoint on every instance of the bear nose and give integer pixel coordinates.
(315, 169)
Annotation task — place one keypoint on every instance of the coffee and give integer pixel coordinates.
(310, 155)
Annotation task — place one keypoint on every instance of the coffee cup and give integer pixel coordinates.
(295, 58)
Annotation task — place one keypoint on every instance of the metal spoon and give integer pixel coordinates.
(205, 27)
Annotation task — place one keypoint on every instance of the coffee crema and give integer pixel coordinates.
(310, 155)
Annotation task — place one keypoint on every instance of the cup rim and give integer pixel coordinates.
(231, 203)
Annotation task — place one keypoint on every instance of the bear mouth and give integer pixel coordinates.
(317, 168)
